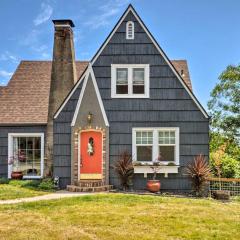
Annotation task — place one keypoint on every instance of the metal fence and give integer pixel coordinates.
(229, 184)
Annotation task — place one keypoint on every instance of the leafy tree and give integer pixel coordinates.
(224, 104)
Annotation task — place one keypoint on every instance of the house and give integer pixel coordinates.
(75, 118)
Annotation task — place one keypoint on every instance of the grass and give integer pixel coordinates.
(21, 189)
(121, 216)
(8, 191)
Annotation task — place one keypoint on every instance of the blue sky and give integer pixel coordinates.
(205, 32)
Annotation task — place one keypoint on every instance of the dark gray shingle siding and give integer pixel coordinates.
(169, 106)
(62, 140)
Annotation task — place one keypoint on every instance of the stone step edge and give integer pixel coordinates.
(73, 188)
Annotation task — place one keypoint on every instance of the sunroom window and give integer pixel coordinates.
(156, 143)
(130, 81)
(26, 150)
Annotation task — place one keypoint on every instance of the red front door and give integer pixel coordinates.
(91, 155)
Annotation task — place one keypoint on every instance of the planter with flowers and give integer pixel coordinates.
(14, 161)
(155, 167)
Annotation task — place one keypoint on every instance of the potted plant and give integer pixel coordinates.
(154, 185)
(14, 161)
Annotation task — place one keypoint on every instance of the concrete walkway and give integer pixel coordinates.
(51, 196)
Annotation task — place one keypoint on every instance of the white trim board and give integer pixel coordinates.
(131, 9)
(10, 150)
(88, 73)
(130, 93)
(155, 144)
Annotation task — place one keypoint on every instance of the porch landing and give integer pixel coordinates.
(89, 186)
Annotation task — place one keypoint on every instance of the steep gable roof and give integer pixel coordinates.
(25, 99)
(161, 52)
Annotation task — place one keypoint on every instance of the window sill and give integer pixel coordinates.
(129, 96)
(162, 169)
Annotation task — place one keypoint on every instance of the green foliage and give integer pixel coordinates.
(46, 184)
(224, 104)
(4, 180)
(198, 171)
(230, 167)
(124, 168)
(229, 159)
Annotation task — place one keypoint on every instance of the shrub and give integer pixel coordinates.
(229, 167)
(124, 168)
(46, 184)
(4, 180)
(198, 171)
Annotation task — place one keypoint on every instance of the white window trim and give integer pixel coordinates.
(127, 26)
(155, 144)
(130, 67)
(10, 150)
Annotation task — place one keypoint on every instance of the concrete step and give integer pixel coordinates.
(104, 188)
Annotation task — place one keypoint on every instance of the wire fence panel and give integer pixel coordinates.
(229, 184)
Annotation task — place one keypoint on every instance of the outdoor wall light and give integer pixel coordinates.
(89, 118)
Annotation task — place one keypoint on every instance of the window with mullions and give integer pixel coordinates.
(150, 144)
(144, 145)
(130, 80)
(166, 143)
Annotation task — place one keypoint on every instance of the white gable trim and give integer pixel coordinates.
(69, 96)
(130, 9)
(88, 73)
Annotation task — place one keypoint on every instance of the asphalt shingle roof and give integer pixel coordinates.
(25, 99)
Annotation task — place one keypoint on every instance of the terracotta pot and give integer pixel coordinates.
(153, 185)
(17, 175)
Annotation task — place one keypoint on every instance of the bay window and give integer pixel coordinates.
(27, 151)
(130, 80)
(149, 144)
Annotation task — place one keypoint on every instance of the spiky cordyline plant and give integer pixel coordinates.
(198, 171)
(124, 168)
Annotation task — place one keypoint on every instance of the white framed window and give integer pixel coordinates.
(148, 144)
(130, 30)
(130, 80)
(27, 150)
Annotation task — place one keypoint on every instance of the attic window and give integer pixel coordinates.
(130, 30)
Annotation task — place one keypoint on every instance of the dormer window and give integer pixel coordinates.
(130, 80)
(130, 30)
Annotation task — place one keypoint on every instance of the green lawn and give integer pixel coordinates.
(8, 191)
(121, 216)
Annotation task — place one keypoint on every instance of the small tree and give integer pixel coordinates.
(198, 171)
(124, 168)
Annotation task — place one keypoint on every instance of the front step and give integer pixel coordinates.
(73, 188)
(90, 183)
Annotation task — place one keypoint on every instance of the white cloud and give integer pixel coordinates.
(44, 15)
(107, 10)
(7, 56)
(5, 74)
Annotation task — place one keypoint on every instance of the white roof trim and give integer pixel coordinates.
(69, 96)
(130, 8)
(88, 73)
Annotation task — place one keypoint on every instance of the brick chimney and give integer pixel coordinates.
(63, 76)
